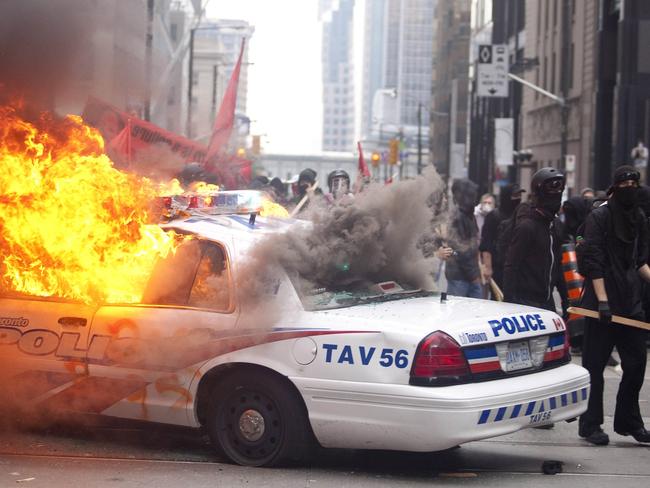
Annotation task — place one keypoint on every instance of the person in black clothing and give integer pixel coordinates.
(532, 267)
(509, 200)
(644, 204)
(612, 256)
(576, 210)
(306, 181)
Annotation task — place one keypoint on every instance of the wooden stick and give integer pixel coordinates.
(585, 312)
(496, 291)
(304, 200)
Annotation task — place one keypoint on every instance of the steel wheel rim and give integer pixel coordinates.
(263, 430)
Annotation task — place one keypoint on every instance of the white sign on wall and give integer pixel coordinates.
(504, 131)
(492, 70)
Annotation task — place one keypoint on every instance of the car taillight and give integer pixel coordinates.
(194, 202)
(439, 360)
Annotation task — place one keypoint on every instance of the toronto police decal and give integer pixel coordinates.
(517, 323)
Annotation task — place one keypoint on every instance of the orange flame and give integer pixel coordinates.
(272, 209)
(171, 188)
(203, 188)
(71, 225)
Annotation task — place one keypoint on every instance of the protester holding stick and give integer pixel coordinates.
(612, 256)
(307, 188)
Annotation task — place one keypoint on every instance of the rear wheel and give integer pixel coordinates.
(257, 419)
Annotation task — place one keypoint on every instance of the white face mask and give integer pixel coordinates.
(486, 208)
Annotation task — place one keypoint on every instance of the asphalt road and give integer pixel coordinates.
(136, 455)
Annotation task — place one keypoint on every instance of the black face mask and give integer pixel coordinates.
(551, 203)
(626, 196)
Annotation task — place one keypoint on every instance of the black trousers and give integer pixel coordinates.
(599, 340)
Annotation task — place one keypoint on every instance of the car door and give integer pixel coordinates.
(187, 312)
(43, 349)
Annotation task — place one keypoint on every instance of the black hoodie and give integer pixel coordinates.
(533, 261)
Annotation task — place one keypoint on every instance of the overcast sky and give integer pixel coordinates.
(284, 87)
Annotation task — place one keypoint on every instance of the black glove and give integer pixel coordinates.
(604, 313)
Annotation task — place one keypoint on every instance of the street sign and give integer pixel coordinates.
(492, 70)
(570, 162)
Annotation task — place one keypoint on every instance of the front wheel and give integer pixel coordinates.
(257, 419)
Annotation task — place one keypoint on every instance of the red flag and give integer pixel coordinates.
(225, 120)
(233, 173)
(363, 167)
(121, 145)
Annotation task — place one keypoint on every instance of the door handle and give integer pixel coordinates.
(73, 321)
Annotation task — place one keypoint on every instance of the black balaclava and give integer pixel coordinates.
(548, 198)
(509, 199)
(550, 203)
(623, 203)
(306, 179)
(576, 210)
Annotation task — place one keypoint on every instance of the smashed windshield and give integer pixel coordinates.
(358, 292)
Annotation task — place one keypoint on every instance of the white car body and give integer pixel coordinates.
(351, 366)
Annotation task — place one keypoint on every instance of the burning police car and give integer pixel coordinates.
(371, 366)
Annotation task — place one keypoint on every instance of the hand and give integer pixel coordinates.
(487, 272)
(604, 313)
(444, 252)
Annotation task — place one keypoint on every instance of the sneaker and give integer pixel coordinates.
(640, 434)
(596, 436)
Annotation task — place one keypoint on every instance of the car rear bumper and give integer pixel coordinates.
(411, 418)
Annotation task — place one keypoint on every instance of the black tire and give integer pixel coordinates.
(237, 405)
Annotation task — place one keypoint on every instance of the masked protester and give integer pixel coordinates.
(509, 200)
(532, 266)
(306, 180)
(338, 182)
(462, 269)
(612, 256)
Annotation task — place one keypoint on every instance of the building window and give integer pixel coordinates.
(544, 79)
(556, 6)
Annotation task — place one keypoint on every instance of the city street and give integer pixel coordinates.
(130, 455)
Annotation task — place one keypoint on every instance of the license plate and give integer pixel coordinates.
(518, 356)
